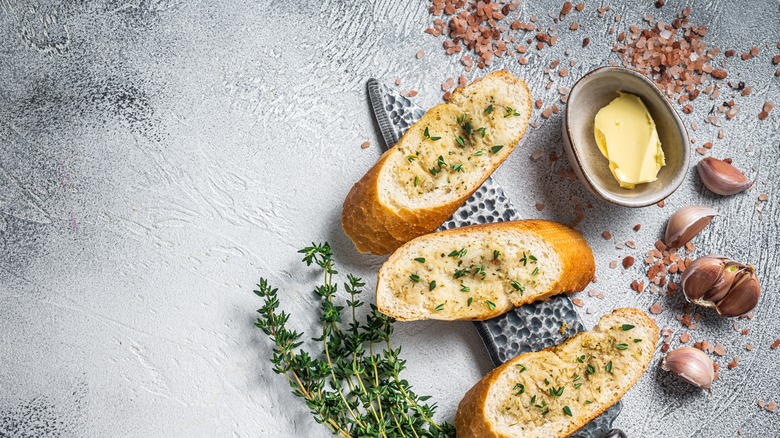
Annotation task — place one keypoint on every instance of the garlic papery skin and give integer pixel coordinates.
(692, 365)
(686, 223)
(732, 288)
(721, 177)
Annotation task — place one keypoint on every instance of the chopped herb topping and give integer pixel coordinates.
(496, 148)
(460, 273)
(535, 271)
(511, 112)
(622, 346)
(479, 153)
(439, 307)
(440, 162)
(480, 270)
(460, 141)
(637, 340)
(496, 254)
(531, 258)
(521, 388)
(481, 131)
(432, 285)
(581, 358)
(427, 135)
(522, 368)
(567, 411)
(591, 369)
(461, 118)
(464, 288)
(626, 327)
(556, 392)
(533, 399)
(412, 157)
(587, 402)
(524, 259)
(608, 367)
(577, 377)
(459, 253)
(468, 128)
(420, 259)
(416, 180)
(433, 171)
(489, 109)
(490, 304)
(458, 168)
(577, 385)
(546, 382)
(517, 286)
(468, 303)
(415, 278)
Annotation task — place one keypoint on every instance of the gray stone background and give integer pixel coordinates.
(157, 157)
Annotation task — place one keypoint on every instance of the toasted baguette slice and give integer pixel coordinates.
(418, 183)
(481, 271)
(502, 404)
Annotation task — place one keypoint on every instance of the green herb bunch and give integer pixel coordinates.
(353, 386)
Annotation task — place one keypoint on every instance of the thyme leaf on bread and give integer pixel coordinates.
(353, 385)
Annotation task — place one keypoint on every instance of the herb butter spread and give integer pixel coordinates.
(626, 135)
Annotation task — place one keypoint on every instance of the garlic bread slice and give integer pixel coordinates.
(438, 163)
(482, 271)
(556, 391)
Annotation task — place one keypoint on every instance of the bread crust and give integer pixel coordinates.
(577, 263)
(470, 420)
(380, 229)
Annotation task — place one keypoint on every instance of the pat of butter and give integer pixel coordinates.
(626, 136)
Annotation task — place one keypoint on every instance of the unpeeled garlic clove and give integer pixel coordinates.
(691, 365)
(721, 177)
(742, 297)
(686, 223)
(701, 275)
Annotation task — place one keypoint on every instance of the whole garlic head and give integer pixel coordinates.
(732, 288)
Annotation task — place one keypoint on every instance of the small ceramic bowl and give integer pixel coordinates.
(594, 91)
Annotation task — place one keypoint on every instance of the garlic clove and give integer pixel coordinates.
(721, 177)
(722, 286)
(743, 296)
(686, 223)
(700, 276)
(692, 365)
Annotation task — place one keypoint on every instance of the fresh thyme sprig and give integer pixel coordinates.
(353, 386)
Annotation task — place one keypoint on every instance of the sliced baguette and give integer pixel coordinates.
(499, 405)
(440, 275)
(410, 191)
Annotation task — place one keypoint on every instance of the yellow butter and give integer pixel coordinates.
(626, 135)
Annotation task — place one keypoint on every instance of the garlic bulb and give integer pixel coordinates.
(732, 288)
(686, 223)
(691, 365)
(721, 177)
